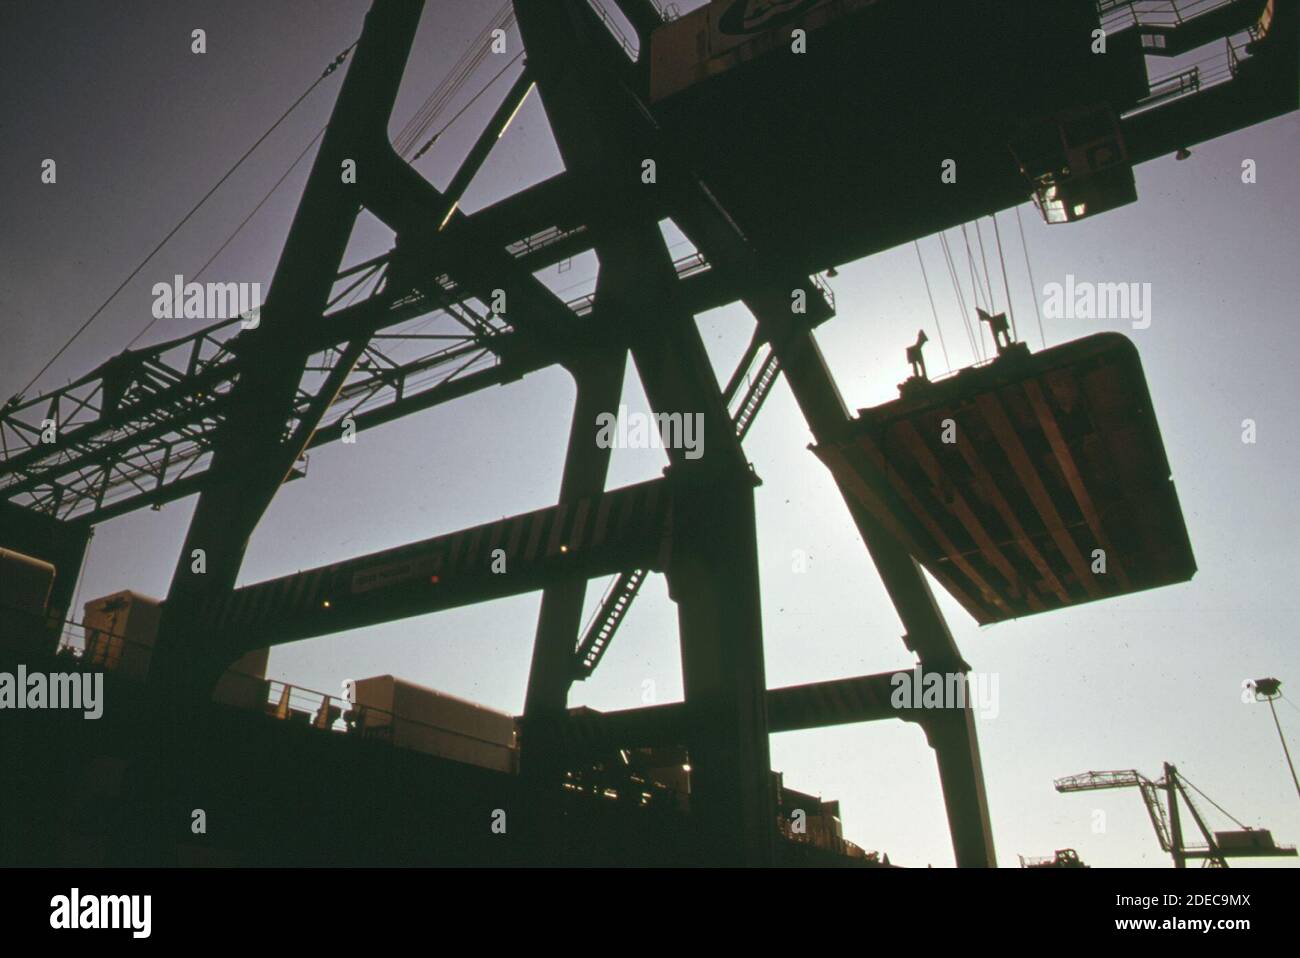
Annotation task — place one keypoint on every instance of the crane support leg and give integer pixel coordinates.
(1176, 846)
(586, 465)
(251, 455)
(953, 737)
(714, 579)
(255, 448)
(713, 571)
(951, 733)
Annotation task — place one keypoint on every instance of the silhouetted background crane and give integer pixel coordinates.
(1218, 847)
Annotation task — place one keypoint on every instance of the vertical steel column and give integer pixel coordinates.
(251, 456)
(951, 733)
(714, 580)
(599, 381)
(1175, 821)
(586, 465)
(713, 573)
(257, 445)
(952, 736)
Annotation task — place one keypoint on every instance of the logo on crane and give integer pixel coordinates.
(752, 16)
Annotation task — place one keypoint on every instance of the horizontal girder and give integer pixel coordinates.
(596, 535)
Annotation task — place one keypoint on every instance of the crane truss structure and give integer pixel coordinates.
(1216, 849)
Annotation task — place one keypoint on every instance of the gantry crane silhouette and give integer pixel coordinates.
(1218, 847)
(777, 166)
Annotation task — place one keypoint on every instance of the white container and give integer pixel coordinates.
(435, 723)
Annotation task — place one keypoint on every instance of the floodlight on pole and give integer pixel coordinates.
(1270, 689)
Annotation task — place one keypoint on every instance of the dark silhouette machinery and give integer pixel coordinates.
(778, 160)
(1063, 858)
(1218, 847)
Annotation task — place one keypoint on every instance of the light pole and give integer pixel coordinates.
(1271, 689)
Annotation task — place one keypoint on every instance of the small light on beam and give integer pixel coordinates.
(514, 113)
(447, 219)
(564, 548)
(326, 603)
(433, 579)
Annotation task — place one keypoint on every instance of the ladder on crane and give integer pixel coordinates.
(607, 620)
(756, 394)
(614, 605)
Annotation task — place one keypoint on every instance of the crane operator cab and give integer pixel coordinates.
(1076, 163)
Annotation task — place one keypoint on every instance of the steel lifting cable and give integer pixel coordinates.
(451, 85)
(961, 298)
(975, 288)
(988, 277)
(435, 101)
(293, 165)
(459, 75)
(976, 292)
(947, 260)
(976, 296)
(937, 325)
(459, 113)
(1006, 286)
(1212, 802)
(238, 229)
(434, 106)
(334, 65)
(977, 342)
(1033, 288)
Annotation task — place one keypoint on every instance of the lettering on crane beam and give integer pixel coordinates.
(752, 16)
(392, 573)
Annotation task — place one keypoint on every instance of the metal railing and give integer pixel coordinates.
(824, 288)
(1219, 67)
(282, 700)
(1120, 14)
(633, 52)
(1172, 86)
(75, 639)
(540, 240)
(1238, 54)
(687, 266)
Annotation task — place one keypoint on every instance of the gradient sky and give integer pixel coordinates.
(141, 127)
